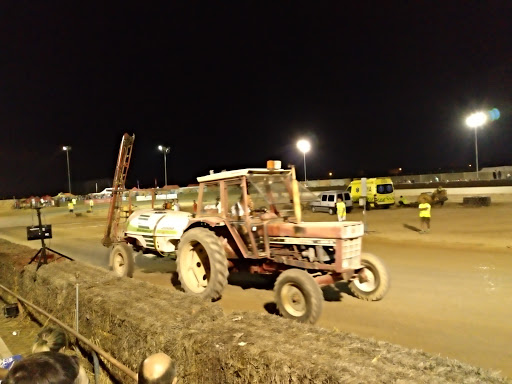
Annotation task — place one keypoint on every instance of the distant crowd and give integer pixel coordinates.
(52, 362)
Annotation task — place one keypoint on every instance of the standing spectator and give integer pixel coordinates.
(494, 175)
(73, 200)
(176, 206)
(157, 369)
(194, 207)
(499, 174)
(91, 204)
(71, 207)
(424, 208)
(341, 210)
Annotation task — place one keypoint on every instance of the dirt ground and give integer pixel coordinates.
(451, 291)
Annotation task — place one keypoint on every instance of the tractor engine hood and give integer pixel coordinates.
(326, 230)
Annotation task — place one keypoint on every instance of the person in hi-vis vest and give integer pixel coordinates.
(341, 210)
(424, 216)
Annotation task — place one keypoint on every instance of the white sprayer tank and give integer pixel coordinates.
(157, 229)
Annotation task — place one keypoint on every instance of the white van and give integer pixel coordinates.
(327, 201)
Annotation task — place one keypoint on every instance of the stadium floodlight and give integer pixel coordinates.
(67, 148)
(165, 150)
(304, 146)
(474, 121)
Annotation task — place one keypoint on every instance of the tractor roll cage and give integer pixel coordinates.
(250, 231)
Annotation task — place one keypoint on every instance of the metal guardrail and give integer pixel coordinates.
(80, 337)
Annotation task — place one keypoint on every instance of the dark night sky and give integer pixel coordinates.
(232, 84)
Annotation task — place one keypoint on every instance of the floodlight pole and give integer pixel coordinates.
(476, 152)
(305, 177)
(165, 167)
(165, 151)
(304, 146)
(67, 148)
(475, 120)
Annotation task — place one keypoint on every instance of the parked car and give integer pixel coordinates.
(327, 201)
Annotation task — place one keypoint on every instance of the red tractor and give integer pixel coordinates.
(251, 219)
(248, 219)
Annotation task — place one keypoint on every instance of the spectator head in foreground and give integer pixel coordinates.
(157, 369)
(51, 339)
(45, 368)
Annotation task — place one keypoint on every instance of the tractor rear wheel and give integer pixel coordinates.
(378, 279)
(201, 264)
(298, 296)
(121, 260)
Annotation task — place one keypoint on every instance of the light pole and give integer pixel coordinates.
(474, 121)
(165, 150)
(304, 146)
(67, 148)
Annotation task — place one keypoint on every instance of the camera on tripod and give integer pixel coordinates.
(41, 232)
(36, 232)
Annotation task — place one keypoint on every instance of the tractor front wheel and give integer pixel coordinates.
(201, 264)
(377, 283)
(122, 261)
(298, 296)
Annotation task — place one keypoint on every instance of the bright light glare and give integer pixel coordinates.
(494, 114)
(160, 147)
(476, 120)
(66, 148)
(303, 145)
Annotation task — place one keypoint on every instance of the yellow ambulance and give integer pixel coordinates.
(380, 192)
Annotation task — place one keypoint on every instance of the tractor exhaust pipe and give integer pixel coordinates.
(296, 197)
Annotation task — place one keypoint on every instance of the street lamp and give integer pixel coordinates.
(304, 146)
(67, 148)
(474, 121)
(165, 150)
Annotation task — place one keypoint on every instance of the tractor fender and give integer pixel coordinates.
(205, 222)
(233, 243)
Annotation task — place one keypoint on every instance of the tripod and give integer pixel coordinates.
(41, 255)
